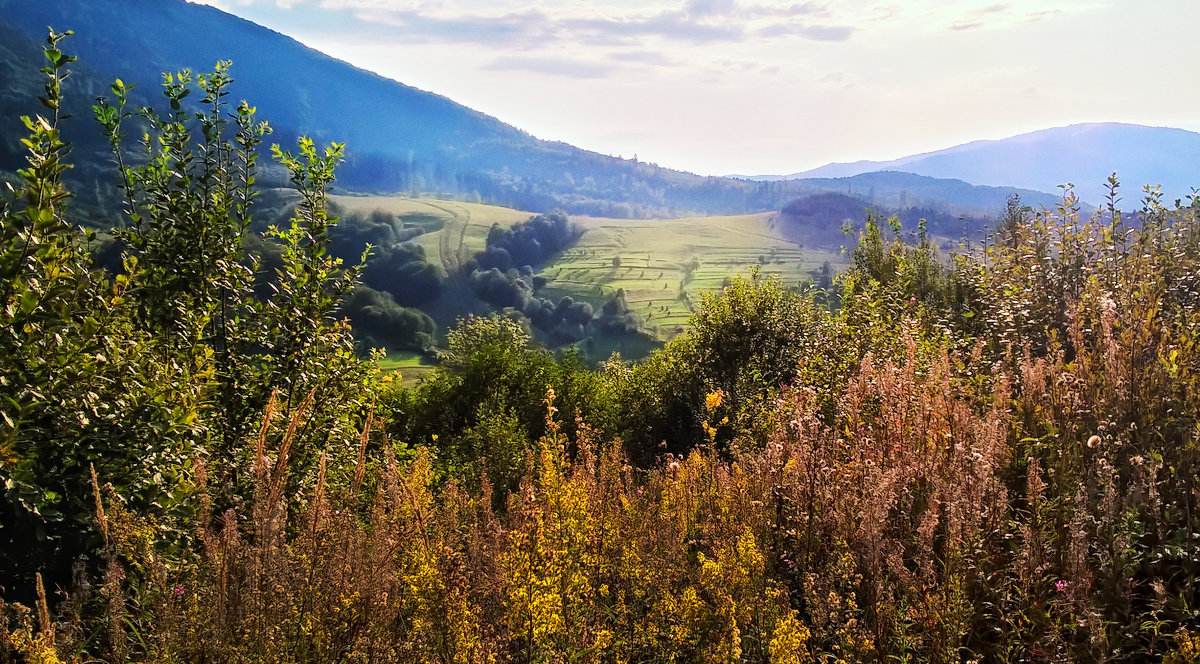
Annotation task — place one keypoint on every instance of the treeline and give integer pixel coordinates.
(496, 278)
(990, 457)
(824, 219)
(397, 279)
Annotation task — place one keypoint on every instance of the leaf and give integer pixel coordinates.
(29, 301)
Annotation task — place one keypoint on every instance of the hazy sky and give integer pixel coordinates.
(752, 86)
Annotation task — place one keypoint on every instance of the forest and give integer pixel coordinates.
(983, 456)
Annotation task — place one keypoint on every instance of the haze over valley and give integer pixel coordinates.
(401, 138)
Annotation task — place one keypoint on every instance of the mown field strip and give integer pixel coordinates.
(664, 265)
(463, 230)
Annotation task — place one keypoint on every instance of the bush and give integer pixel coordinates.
(138, 379)
(745, 342)
(381, 323)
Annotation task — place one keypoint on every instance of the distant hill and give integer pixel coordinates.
(398, 138)
(821, 220)
(296, 88)
(1084, 154)
(817, 220)
(901, 191)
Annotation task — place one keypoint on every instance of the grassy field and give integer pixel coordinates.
(411, 366)
(453, 231)
(665, 264)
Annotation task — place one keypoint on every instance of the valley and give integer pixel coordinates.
(664, 265)
(660, 268)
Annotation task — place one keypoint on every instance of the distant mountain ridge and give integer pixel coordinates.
(1083, 154)
(901, 190)
(293, 86)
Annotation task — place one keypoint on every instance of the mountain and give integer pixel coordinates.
(1084, 154)
(294, 87)
(399, 138)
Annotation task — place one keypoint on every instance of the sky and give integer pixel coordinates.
(754, 87)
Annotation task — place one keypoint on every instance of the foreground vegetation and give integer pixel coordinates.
(986, 458)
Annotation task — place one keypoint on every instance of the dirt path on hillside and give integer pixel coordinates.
(451, 252)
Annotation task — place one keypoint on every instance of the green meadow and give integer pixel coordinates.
(411, 366)
(665, 264)
(453, 231)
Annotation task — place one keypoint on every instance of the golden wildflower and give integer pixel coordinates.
(712, 400)
(789, 642)
(1187, 649)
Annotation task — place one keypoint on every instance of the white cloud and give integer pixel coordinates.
(656, 58)
(552, 66)
(705, 8)
(813, 32)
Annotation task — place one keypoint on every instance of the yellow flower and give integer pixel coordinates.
(788, 642)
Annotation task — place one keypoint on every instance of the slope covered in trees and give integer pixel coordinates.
(991, 457)
(398, 138)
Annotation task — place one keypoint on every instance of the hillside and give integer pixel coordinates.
(1084, 154)
(297, 88)
(901, 191)
(399, 139)
(663, 267)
